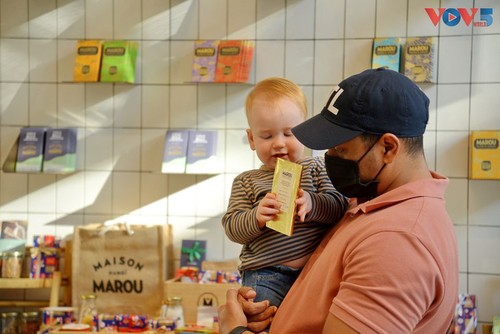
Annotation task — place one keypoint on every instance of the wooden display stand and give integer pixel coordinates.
(58, 281)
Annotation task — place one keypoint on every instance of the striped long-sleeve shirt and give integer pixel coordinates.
(266, 247)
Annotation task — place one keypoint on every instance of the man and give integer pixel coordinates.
(391, 264)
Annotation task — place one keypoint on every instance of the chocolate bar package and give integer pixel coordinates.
(234, 61)
(87, 61)
(60, 150)
(118, 61)
(485, 155)
(30, 150)
(204, 60)
(175, 151)
(202, 152)
(387, 53)
(465, 319)
(420, 59)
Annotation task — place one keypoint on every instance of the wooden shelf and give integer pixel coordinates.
(53, 284)
(24, 303)
(25, 283)
(58, 281)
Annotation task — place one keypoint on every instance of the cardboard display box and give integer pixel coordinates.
(485, 155)
(194, 294)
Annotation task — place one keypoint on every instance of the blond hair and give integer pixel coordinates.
(274, 89)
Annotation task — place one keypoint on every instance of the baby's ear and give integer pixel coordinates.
(250, 139)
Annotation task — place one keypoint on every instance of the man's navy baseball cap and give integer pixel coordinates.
(375, 101)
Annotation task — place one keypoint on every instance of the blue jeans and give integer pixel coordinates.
(271, 283)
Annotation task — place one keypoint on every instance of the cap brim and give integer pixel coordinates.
(318, 133)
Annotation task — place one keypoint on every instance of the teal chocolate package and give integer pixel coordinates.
(60, 150)
(387, 53)
(118, 61)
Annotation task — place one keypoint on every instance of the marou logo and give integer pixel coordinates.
(118, 266)
(486, 143)
(87, 50)
(205, 52)
(419, 49)
(386, 50)
(115, 51)
(230, 51)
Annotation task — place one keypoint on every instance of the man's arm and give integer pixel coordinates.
(240, 311)
(334, 325)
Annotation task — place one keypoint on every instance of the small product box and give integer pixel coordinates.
(387, 53)
(204, 60)
(465, 318)
(485, 155)
(193, 253)
(234, 60)
(118, 61)
(87, 61)
(46, 240)
(30, 150)
(44, 262)
(60, 150)
(44, 256)
(175, 151)
(202, 152)
(420, 59)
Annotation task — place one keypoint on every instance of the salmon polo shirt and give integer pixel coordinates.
(390, 266)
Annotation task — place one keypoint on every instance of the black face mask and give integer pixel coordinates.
(344, 175)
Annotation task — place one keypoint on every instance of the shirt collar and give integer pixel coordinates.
(434, 187)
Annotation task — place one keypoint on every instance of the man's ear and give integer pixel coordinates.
(250, 139)
(392, 145)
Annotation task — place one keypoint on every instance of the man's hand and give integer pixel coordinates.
(304, 204)
(231, 314)
(259, 314)
(267, 210)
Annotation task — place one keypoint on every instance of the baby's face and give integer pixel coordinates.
(270, 133)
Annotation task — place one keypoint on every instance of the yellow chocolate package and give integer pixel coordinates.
(87, 61)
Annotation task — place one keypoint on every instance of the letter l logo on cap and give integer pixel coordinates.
(337, 91)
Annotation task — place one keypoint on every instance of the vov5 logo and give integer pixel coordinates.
(452, 16)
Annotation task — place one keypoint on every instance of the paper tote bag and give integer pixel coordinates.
(125, 266)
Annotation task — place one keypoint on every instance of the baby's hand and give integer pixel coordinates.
(304, 204)
(267, 210)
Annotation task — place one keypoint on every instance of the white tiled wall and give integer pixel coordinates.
(315, 43)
